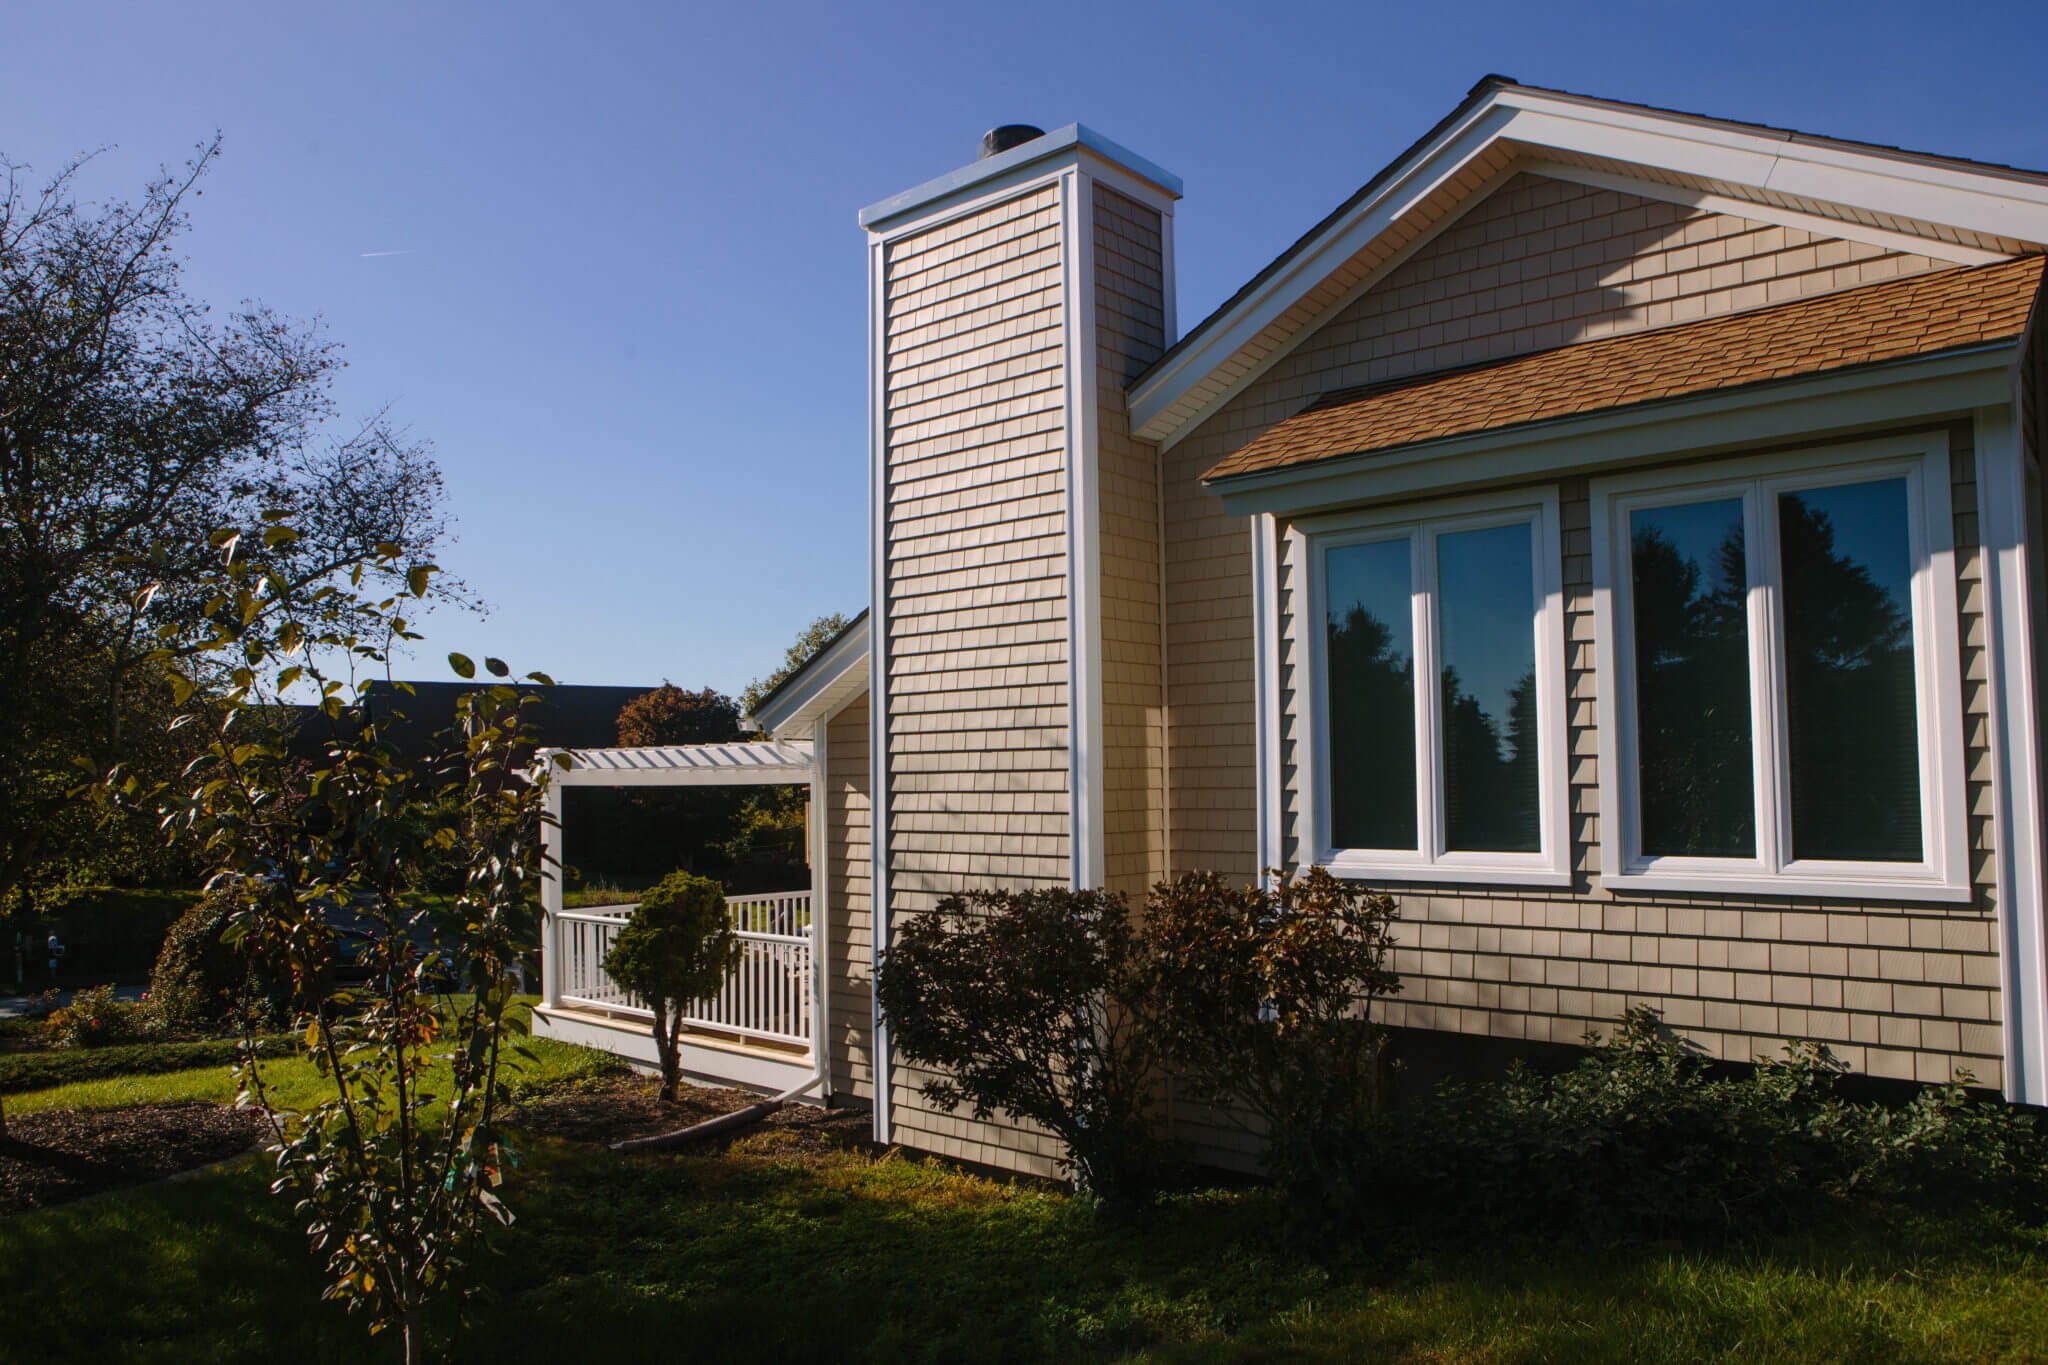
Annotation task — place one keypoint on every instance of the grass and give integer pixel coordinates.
(153, 1073)
(753, 1256)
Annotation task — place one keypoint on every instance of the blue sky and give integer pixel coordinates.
(627, 299)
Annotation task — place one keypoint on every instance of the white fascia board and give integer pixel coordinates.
(1443, 157)
(1982, 201)
(1024, 160)
(1861, 399)
(813, 694)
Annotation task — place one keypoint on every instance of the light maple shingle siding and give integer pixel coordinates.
(1542, 264)
(975, 565)
(1130, 333)
(1918, 315)
(849, 960)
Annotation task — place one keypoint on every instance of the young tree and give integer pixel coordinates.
(396, 1171)
(132, 423)
(677, 947)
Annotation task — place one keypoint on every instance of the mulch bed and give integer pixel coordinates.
(611, 1108)
(64, 1154)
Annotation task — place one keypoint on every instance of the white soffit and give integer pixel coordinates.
(836, 675)
(1952, 211)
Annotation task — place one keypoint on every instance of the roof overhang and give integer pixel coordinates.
(1949, 209)
(1839, 403)
(835, 676)
(682, 765)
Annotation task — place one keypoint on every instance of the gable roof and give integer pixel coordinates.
(1920, 315)
(1949, 207)
(830, 678)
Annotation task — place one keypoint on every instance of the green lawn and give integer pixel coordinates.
(754, 1256)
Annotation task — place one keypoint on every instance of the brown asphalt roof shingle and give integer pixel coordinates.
(1920, 315)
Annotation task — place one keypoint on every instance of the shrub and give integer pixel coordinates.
(1028, 1002)
(678, 946)
(95, 1017)
(1645, 1139)
(1265, 999)
(200, 980)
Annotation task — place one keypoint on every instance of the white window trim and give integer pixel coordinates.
(1421, 523)
(1943, 873)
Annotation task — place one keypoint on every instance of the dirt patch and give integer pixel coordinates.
(612, 1108)
(66, 1154)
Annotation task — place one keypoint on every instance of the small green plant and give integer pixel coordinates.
(1029, 1003)
(1265, 997)
(1646, 1138)
(677, 947)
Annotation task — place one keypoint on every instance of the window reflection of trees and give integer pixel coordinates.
(1692, 697)
(1490, 778)
(1852, 734)
(1372, 735)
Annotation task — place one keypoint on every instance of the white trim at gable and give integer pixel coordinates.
(1944, 209)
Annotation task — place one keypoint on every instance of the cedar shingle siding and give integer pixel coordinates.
(1899, 990)
(976, 584)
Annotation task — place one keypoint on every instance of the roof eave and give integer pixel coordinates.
(1834, 401)
(1995, 201)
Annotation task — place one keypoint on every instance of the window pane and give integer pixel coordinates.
(1486, 602)
(1852, 730)
(1689, 580)
(1372, 696)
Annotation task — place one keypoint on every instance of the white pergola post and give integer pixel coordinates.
(551, 894)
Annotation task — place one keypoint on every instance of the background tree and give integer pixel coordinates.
(677, 947)
(133, 423)
(671, 715)
(809, 641)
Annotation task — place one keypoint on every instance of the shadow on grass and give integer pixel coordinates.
(753, 1258)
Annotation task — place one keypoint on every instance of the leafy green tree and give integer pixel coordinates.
(132, 423)
(808, 643)
(677, 947)
(397, 1171)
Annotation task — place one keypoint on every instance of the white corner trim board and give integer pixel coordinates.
(2008, 501)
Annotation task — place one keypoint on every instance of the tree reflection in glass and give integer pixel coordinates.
(1371, 662)
(1689, 579)
(1490, 746)
(1852, 728)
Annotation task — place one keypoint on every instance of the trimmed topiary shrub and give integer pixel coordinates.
(678, 947)
(1028, 1001)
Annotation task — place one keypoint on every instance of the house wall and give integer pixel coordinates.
(1130, 333)
(849, 899)
(975, 577)
(1900, 990)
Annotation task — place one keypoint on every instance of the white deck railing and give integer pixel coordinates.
(767, 996)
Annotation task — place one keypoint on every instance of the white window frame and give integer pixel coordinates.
(1942, 874)
(1421, 525)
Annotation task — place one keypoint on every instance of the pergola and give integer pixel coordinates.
(762, 1029)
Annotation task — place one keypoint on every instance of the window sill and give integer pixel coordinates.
(1530, 874)
(1923, 889)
